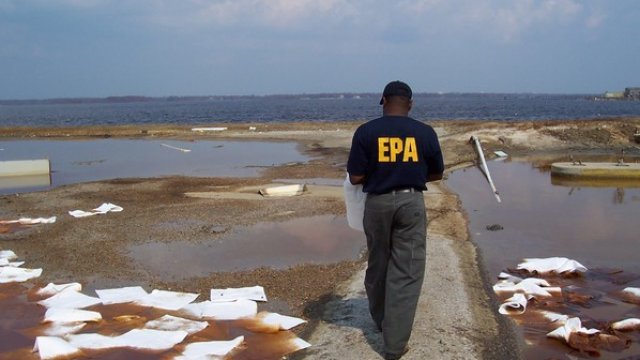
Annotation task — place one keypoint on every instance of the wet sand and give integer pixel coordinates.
(457, 316)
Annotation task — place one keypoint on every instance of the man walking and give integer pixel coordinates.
(394, 156)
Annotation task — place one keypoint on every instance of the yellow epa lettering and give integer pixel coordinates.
(393, 149)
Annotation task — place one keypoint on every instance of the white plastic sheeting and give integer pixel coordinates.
(65, 317)
(571, 326)
(255, 293)
(100, 210)
(207, 349)
(556, 265)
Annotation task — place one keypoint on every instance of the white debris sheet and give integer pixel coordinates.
(554, 317)
(50, 347)
(173, 323)
(565, 327)
(533, 287)
(53, 289)
(102, 209)
(59, 334)
(143, 339)
(66, 315)
(626, 324)
(69, 299)
(558, 265)
(515, 305)
(9, 274)
(231, 310)
(571, 326)
(31, 221)
(122, 295)
(632, 291)
(277, 322)
(208, 349)
(60, 329)
(255, 293)
(160, 299)
(7, 255)
(167, 300)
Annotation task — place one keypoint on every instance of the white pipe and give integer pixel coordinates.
(175, 148)
(24, 167)
(484, 168)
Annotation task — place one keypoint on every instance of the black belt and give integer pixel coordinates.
(403, 190)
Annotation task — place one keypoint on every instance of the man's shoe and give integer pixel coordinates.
(389, 356)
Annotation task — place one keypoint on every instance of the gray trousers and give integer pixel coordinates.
(395, 225)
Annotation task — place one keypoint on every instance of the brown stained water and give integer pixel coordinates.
(318, 240)
(21, 322)
(595, 223)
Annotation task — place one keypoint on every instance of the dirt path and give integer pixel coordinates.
(456, 317)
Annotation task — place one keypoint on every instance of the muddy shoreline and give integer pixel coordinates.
(327, 295)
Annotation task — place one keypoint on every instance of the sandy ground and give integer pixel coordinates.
(457, 317)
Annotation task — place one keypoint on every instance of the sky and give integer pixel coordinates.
(99, 48)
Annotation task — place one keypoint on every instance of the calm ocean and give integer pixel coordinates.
(332, 107)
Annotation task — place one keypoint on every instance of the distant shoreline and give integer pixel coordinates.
(125, 99)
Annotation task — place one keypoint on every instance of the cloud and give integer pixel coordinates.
(508, 20)
(266, 13)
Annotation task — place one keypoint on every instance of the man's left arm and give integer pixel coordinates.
(435, 162)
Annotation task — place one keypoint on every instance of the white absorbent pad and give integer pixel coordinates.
(557, 265)
(255, 293)
(50, 347)
(515, 305)
(300, 344)
(555, 317)
(174, 323)
(626, 324)
(167, 300)
(232, 310)
(160, 299)
(209, 349)
(530, 286)
(632, 291)
(31, 221)
(7, 255)
(10, 274)
(143, 339)
(268, 322)
(102, 209)
(572, 325)
(283, 322)
(70, 299)
(65, 315)
(508, 277)
(61, 329)
(122, 295)
(53, 289)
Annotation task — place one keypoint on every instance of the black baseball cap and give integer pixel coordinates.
(396, 88)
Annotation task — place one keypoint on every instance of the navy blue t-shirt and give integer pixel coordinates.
(395, 152)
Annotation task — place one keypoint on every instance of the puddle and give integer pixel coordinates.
(21, 323)
(316, 240)
(75, 161)
(595, 224)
